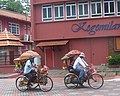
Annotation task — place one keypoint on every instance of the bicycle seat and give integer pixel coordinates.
(72, 70)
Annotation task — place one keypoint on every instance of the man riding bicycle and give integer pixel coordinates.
(29, 68)
(79, 65)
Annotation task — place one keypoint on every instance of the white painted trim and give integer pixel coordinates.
(95, 9)
(16, 25)
(83, 10)
(71, 11)
(61, 5)
(49, 6)
(109, 8)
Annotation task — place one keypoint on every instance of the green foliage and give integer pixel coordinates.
(3, 4)
(12, 6)
(114, 59)
(15, 6)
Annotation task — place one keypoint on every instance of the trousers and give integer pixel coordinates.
(30, 77)
(81, 71)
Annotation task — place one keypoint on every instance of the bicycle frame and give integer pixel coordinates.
(91, 75)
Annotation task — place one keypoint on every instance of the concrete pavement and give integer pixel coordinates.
(62, 73)
(111, 87)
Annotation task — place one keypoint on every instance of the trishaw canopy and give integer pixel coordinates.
(70, 54)
(27, 54)
(24, 56)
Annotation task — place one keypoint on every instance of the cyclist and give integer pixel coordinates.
(29, 68)
(80, 64)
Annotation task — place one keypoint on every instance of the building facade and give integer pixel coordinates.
(20, 26)
(91, 26)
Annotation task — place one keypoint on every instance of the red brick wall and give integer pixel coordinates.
(7, 68)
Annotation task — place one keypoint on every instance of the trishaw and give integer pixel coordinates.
(72, 80)
(41, 78)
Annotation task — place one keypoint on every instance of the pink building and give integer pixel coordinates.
(91, 26)
(20, 26)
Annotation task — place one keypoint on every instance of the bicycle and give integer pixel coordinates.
(42, 80)
(72, 80)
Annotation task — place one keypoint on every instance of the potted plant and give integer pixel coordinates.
(114, 61)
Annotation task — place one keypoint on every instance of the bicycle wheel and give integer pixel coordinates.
(21, 83)
(95, 81)
(71, 80)
(45, 83)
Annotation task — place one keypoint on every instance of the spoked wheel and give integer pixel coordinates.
(71, 80)
(21, 83)
(96, 81)
(45, 83)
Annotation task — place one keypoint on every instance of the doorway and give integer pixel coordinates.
(49, 57)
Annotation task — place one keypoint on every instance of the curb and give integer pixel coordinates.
(3, 77)
(13, 75)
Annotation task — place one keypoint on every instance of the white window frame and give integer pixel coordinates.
(0, 26)
(109, 13)
(17, 28)
(96, 13)
(47, 7)
(71, 16)
(84, 15)
(58, 6)
(118, 13)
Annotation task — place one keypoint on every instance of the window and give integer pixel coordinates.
(117, 43)
(0, 26)
(70, 10)
(118, 7)
(109, 7)
(83, 9)
(47, 12)
(14, 28)
(3, 54)
(59, 11)
(96, 8)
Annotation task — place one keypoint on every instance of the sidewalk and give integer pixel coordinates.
(56, 73)
(3, 76)
(52, 73)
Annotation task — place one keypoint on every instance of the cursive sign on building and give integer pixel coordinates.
(92, 29)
